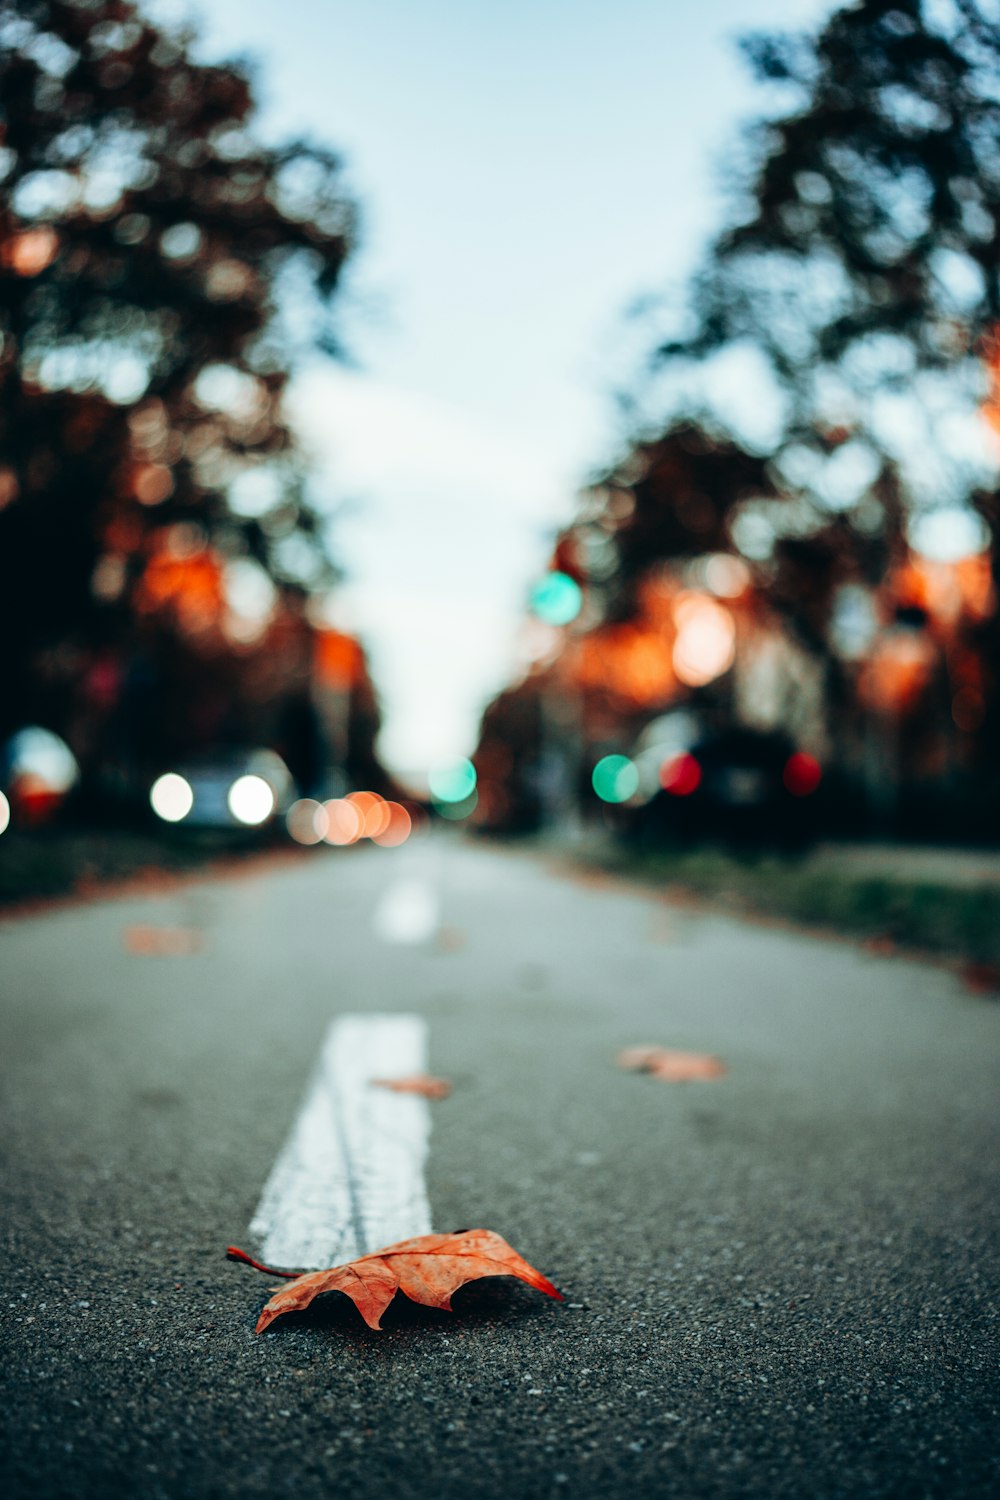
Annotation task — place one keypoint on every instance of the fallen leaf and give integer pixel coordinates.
(172, 941)
(450, 939)
(672, 1066)
(662, 929)
(427, 1269)
(418, 1083)
(981, 979)
(881, 946)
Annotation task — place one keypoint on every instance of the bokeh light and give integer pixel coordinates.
(171, 797)
(802, 774)
(456, 811)
(4, 813)
(39, 754)
(454, 782)
(706, 640)
(680, 775)
(370, 808)
(32, 251)
(344, 822)
(307, 821)
(728, 577)
(615, 778)
(557, 599)
(396, 829)
(251, 800)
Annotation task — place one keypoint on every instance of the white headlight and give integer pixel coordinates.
(171, 797)
(4, 813)
(251, 800)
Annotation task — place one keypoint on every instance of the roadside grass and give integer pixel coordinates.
(959, 922)
(51, 863)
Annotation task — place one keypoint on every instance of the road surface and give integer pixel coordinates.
(782, 1282)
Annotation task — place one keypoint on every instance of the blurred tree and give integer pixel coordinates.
(843, 329)
(874, 207)
(156, 265)
(864, 273)
(671, 497)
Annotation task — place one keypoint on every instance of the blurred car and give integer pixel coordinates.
(38, 772)
(228, 790)
(735, 784)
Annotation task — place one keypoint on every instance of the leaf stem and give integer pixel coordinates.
(234, 1254)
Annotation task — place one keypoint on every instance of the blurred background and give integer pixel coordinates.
(564, 424)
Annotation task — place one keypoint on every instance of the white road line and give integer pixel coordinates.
(350, 1177)
(408, 911)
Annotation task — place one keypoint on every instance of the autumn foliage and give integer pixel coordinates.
(671, 1066)
(428, 1269)
(148, 246)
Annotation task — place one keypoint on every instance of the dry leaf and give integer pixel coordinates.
(671, 1066)
(662, 929)
(881, 946)
(427, 1269)
(450, 939)
(172, 941)
(981, 979)
(418, 1083)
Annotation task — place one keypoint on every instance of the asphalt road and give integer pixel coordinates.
(779, 1283)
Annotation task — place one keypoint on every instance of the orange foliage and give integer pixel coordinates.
(895, 676)
(947, 590)
(671, 1066)
(428, 1269)
(975, 583)
(190, 586)
(631, 661)
(338, 659)
(991, 358)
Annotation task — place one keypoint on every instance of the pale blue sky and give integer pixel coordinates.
(525, 170)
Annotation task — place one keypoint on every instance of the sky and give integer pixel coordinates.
(525, 172)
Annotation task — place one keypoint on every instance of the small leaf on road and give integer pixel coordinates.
(418, 1083)
(981, 979)
(427, 1269)
(672, 1066)
(881, 946)
(450, 939)
(662, 929)
(159, 941)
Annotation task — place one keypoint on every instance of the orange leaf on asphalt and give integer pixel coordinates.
(427, 1269)
(981, 979)
(672, 1066)
(416, 1083)
(450, 939)
(171, 941)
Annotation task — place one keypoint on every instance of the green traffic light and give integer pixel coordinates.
(453, 782)
(557, 599)
(615, 778)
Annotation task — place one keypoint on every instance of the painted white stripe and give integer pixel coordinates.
(408, 911)
(350, 1177)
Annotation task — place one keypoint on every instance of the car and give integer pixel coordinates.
(736, 784)
(225, 790)
(38, 774)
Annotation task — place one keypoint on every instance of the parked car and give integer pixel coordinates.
(735, 784)
(227, 790)
(38, 773)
